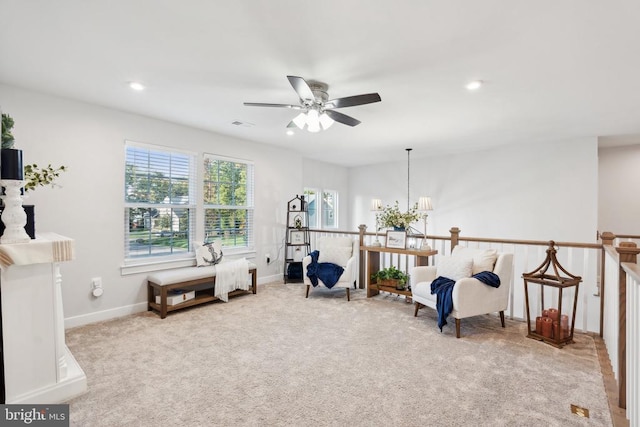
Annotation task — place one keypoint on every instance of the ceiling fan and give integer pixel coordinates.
(318, 110)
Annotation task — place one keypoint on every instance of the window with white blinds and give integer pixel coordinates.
(228, 202)
(159, 198)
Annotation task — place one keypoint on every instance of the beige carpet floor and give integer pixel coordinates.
(278, 359)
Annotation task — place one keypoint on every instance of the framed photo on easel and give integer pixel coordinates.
(396, 239)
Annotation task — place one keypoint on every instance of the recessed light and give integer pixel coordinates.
(474, 85)
(136, 86)
(290, 132)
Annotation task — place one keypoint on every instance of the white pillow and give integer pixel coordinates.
(483, 259)
(336, 250)
(335, 254)
(208, 253)
(454, 267)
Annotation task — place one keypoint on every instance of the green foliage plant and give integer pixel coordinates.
(391, 273)
(391, 216)
(40, 177)
(7, 125)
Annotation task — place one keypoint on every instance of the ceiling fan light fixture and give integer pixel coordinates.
(300, 120)
(325, 121)
(319, 112)
(313, 121)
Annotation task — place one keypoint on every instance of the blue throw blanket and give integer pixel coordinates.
(328, 272)
(443, 288)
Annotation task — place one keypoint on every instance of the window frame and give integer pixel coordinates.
(248, 206)
(319, 207)
(138, 263)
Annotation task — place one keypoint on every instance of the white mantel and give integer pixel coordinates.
(39, 368)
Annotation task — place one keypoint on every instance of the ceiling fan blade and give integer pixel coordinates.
(262, 104)
(301, 87)
(351, 101)
(342, 118)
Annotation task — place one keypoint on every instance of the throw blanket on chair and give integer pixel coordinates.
(328, 272)
(231, 275)
(443, 288)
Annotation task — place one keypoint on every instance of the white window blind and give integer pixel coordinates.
(228, 196)
(159, 201)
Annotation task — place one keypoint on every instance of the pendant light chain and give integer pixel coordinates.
(408, 174)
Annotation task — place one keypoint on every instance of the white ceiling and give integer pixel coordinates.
(552, 69)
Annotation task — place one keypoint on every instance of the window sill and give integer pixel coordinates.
(148, 266)
(145, 267)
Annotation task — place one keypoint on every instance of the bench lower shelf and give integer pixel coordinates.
(202, 296)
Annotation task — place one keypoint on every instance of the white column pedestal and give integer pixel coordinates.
(39, 368)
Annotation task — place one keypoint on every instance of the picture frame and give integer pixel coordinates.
(297, 237)
(396, 239)
(296, 221)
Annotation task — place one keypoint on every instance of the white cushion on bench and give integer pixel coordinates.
(177, 275)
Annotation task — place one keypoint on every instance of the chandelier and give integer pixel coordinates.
(423, 206)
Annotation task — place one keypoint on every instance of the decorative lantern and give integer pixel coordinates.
(553, 322)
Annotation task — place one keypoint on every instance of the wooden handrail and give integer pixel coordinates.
(317, 230)
(627, 236)
(455, 239)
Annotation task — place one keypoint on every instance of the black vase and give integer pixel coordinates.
(11, 164)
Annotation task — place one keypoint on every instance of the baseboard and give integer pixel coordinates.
(73, 385)
(270, 279)
(99, 316)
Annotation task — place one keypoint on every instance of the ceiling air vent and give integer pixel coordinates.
(243, 124)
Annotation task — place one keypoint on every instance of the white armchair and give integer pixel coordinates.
(470, 296)
(342, 251)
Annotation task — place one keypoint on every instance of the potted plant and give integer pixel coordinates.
(11, 158)
(11, 168)
(392, 217)
(391, 276)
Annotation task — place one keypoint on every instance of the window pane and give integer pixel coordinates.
(148, 175)
(310, 196)
(157, 177)
(329, 207)
(228, 225)
(155, 232)
(228, 201)
(210, 193)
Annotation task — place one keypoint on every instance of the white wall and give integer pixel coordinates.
(326, 176)
(89, 140)
(619, 182)
(538, 192)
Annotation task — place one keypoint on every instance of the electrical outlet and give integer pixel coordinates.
(96, 285)
(267, 258)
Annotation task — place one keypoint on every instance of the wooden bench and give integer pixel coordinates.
(188, 278)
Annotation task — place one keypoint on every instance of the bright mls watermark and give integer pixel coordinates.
(35, 415)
